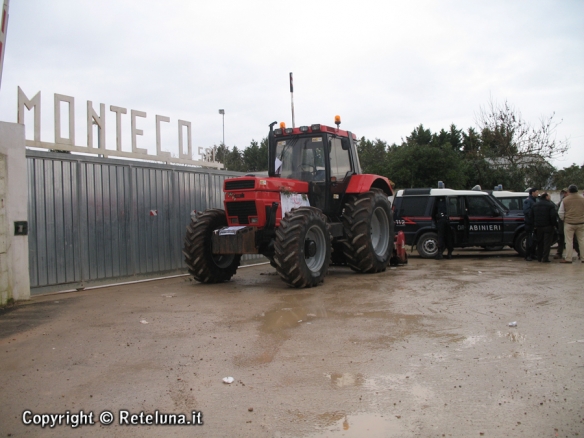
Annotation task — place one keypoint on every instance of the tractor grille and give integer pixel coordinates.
(240, 184)
(242, 210)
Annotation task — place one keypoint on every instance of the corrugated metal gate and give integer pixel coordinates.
(96, 221)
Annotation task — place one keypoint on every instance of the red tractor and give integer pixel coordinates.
(315, 206)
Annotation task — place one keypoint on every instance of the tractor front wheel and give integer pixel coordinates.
(303, 247)
(203, 265)
(368, 222)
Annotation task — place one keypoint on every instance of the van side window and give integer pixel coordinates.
(478, 206)
(413, 206)
(454, 206)
(512, 203)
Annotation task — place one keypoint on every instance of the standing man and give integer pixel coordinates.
(445, 235)
(543, 215)
(561, 242)
(527, 204)
(572, 213)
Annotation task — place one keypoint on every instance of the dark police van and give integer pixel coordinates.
(477, 219)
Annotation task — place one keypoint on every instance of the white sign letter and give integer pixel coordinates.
(159, 152)
(99, 121)
(119, 111)
(35, 103)
(58, 139)
(181, 154)
(135, 132)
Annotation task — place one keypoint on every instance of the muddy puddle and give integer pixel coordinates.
(359, 425)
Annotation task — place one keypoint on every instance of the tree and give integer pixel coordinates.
(569, 175)
(255, 157)
(451, 139)
(232, 160)
(516, 149)
(414, 165)
(419, 136)
(373, 156)
(508, 136)
(221, 153)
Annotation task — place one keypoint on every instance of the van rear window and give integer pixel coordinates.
(413, 206)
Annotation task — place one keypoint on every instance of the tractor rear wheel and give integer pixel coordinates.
(368, 222)
(205, 266)
(303, 247)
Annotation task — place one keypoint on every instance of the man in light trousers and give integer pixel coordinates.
(572, 213)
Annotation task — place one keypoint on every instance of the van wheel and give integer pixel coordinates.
(428, 245)
(520, 244)
(493, 247)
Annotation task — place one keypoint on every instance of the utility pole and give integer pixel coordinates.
(222, 112)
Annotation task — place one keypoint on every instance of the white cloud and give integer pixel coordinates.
(385, 67)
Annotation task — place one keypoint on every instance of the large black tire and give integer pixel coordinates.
(520, 244)
(303, 247)
(428, 245)
(368, 223)
(203, 265)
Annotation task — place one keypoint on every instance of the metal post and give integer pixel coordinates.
(222, 112)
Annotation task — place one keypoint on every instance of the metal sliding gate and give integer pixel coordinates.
(97, 221)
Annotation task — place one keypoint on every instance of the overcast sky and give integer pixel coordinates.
(384, 66)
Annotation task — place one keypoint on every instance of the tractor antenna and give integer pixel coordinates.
(292, 99)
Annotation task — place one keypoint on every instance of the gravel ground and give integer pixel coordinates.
(417, 351)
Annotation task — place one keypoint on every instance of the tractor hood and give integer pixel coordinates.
(265, 184)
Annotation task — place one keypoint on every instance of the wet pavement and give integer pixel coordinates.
(417, 351)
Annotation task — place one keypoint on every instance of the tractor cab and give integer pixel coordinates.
(323, 156)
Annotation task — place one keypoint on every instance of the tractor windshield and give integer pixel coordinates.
(301, 158)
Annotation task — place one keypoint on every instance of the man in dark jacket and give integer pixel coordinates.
(527, 204)
(544, 217)
(445, 234)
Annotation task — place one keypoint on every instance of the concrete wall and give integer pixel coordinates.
(14, 275)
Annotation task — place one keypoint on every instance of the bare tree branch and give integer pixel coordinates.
(506, 135)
